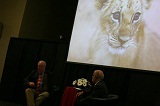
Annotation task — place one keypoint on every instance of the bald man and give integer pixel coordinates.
(99, 89)
(36, 82)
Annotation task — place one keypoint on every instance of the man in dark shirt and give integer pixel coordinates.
(36, 83)
(99, 90)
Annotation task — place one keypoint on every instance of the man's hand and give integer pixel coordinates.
(79, 93)
(31, 84)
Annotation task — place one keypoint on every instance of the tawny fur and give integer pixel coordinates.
(124, 42)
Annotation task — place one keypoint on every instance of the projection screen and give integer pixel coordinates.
(119, 33)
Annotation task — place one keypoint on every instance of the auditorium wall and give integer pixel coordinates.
(11, 14)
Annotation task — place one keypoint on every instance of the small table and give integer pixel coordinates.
(69, 96)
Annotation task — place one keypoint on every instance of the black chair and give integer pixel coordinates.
(111, 100)
(53, 96)
(53, 91)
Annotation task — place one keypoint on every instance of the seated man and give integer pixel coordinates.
(36, 82)
(99, 90)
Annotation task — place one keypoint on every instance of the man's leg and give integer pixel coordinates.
(30, 96)
(41, 97)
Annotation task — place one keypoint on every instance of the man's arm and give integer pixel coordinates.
(27, 79)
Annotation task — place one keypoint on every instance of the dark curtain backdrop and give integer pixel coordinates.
(134, 87)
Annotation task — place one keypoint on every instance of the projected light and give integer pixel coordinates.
(119, 33)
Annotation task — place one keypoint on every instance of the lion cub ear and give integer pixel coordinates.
(99, 4)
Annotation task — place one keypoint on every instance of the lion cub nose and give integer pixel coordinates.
(123, 39)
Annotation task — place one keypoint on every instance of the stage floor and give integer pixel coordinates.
(3, 103)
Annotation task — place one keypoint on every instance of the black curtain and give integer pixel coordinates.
(134, 87)
(22, 58)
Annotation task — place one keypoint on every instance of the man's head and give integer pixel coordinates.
(41, 66)
(97, 76)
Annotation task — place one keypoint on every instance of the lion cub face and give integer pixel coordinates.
(121, 24)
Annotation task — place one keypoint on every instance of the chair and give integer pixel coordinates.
(53, 91)
(52, 97)
(111, 100)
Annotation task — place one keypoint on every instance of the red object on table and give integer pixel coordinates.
(69, 96)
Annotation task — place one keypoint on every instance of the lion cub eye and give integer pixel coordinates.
(116, 16)
(136, 16)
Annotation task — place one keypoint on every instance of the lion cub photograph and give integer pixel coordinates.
(122, 38)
